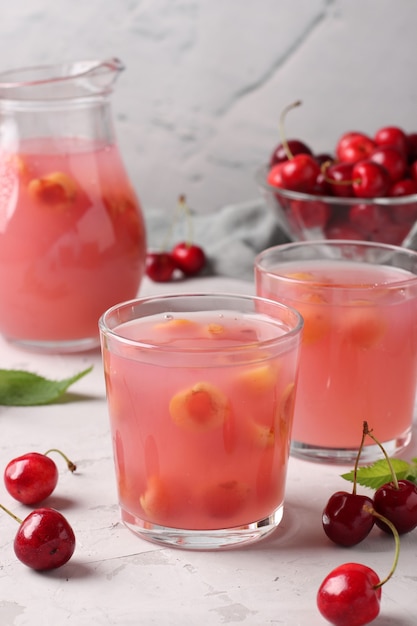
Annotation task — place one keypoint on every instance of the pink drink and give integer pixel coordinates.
(72, 239)
(359, 351)
(201, 422)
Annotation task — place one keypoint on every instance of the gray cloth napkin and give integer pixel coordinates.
(230, 237)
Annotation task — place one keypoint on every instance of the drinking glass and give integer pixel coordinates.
(359, 351)
(200, 391)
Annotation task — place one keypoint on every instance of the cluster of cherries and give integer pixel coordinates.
(45, 539)
(186, 257)
(351, 593)
(362, 167)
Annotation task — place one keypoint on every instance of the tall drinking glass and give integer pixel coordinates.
(359, 352)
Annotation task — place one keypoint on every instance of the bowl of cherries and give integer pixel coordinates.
(366, 189)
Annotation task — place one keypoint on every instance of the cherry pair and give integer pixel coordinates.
(350, 595)
(45, 539)
(186, 256)
(347, 518)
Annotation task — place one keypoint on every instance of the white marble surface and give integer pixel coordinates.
(117, 579)
(197, 109)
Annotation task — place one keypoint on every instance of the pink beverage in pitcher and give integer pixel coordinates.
(201, 421)
(359, 351)
(72, 240)
(72, 236)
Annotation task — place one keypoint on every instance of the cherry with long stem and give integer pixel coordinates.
(32, 477)
(70, 464)
(300, 171)
(350, 595)
(396, 500)
(189, 257)
(346, 519)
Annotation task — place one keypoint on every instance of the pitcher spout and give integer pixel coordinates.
(65, 80)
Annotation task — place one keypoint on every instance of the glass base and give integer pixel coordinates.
(57, 347)
(347, 456)
(203, 539)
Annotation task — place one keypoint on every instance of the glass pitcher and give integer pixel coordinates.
(72, 233)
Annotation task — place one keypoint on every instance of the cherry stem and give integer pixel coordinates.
(71, 466)
(388, 460)
(325, 166)
(183, 206)
(355, 469)
(394, 531)
(11, 514)
(167, 240)
(281, 128)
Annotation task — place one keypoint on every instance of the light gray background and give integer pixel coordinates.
(197, 109)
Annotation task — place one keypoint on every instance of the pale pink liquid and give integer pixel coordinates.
(214, 470)
(359, 351)
(64, 262)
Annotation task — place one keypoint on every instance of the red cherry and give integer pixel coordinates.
(391, 233)
(32, 477)
(341, 174)
(310, 214)
(368, 218)
(404, 187)
(349, 595)
(404, 213)
(412, 147)
(392, 136)
(45, 540)
(160, 266)
(280, 153)
(398, 504)
(346, 520)
(343, 230)
(394, 161)
(324, 157)
(297, 174)
(189, 258)
(353, 147)
(369, 179)
(413, 172)
(322, 186)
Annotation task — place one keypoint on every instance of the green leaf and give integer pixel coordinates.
(21, 388)
(379, 473)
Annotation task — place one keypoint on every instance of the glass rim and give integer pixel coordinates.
(383, 201)
(336, 243)
(107, 331)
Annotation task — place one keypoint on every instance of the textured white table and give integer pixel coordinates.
(115, 578)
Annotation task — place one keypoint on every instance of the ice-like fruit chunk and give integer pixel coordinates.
(225, 499)
(200, 408)
(155, 500)
(362, 325)
(286, 406)
(317, 324)
(259, 379)
(56, 189)
(176, 325)
(262, 436)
